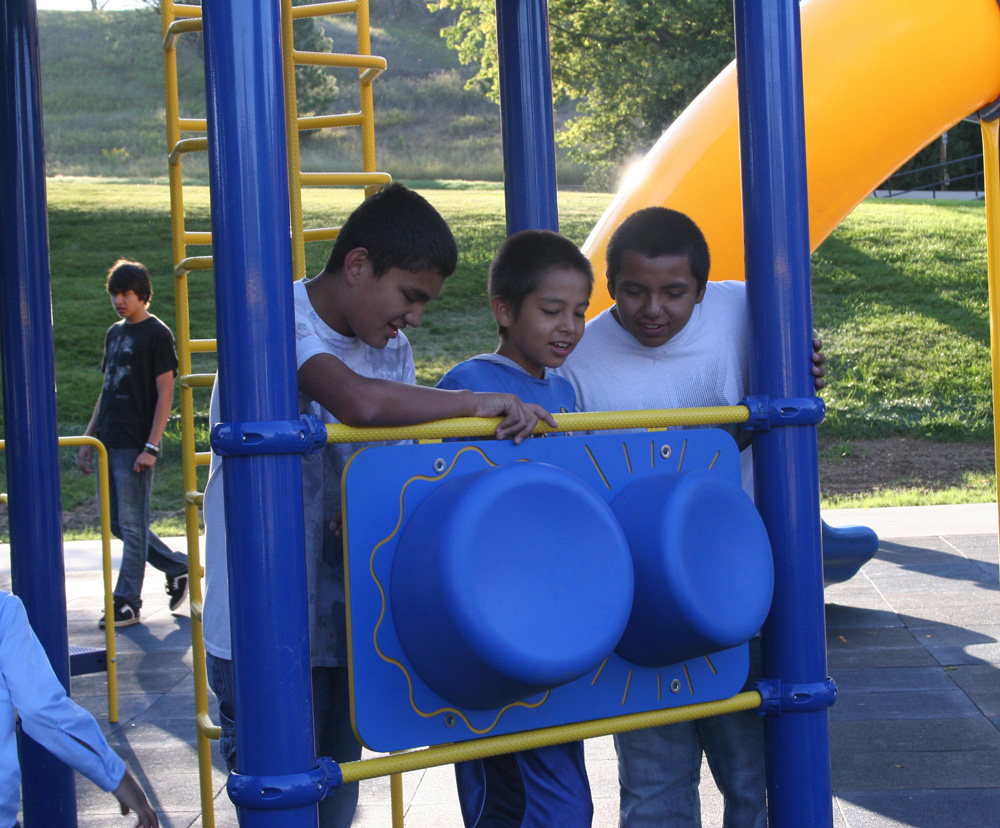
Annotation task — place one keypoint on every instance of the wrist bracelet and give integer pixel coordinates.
(149, 448)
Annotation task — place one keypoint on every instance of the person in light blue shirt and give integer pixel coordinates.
(30, 690)
(540, 286)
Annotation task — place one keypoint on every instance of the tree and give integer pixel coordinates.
(630, 65)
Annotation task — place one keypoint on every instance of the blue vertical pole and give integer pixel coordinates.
(526, 115)
(253, 268)
(29, 386)
(776, 238)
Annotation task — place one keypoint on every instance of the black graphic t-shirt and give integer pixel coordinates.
(134, 356)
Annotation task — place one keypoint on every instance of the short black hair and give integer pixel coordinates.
(525, 258)
(125, 275)
(655, 232)
(398, 228)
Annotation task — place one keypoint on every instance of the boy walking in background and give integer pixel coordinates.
(540, 287)
(675, 340)
(129, 417)
(355, 366)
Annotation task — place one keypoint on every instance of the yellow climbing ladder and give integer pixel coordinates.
(185, 136)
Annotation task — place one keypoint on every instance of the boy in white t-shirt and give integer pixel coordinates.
(675, 340)
(355, 366)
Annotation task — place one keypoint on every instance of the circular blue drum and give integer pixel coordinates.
(508, 582)
(704, 575)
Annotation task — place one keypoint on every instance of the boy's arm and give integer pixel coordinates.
(360, 401)
(164, 400)
(87, 452)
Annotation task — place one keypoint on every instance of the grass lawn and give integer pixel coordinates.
(900, 300)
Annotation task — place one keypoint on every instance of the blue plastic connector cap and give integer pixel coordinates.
(294, 790)
(302, 436)
(767, 413)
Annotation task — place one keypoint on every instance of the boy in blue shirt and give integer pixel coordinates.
(540, 287)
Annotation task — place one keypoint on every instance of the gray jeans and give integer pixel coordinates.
(128, 500)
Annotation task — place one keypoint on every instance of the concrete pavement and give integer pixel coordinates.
(913, 643)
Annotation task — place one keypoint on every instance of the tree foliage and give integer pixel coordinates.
(631, 66)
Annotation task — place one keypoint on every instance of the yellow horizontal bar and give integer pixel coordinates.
(343, 179)
(3, 497)
(495, 745)
(186, 145)
(193, 124)
(330, 121)
(202, 458)
(588, 421)
(321, 234)
(206, 728)
(177, 28)
(347, 61)
(185, 266)
(197, 237)
(203, 346)
(322, 9)
(195, 498)
(197, 380)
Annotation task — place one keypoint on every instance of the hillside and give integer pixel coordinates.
(103, 100)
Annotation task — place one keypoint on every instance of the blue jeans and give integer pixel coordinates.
(331, 720)
(130, 516)
(220, 679)
(659, 768)
(335, 738)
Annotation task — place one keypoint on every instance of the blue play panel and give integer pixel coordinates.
(495, 588)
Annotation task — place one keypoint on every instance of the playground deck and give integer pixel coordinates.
(914, 644)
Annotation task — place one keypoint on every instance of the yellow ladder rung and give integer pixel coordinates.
(321, 234)
(185, 266)
(330, 121)
(197, 380)
(186, 10)
(203, 346)
(186, 145)
(343, 179)
(197, 237)
(323, 9)
(193, 124)
(202, 458)
(177, 28)
(342, 60)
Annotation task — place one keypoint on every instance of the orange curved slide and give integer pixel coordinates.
(881, 79)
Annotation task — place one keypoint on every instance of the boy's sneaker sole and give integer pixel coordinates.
(125, 616)
(177, 589)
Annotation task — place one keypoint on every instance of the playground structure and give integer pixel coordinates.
(245, 131)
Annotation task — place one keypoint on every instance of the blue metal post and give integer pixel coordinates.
(776, 233)
(29, 386)
(526, 115)
(253, 267)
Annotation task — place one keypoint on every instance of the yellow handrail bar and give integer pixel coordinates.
(104, 510)
(526, 740)
(586, 421)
